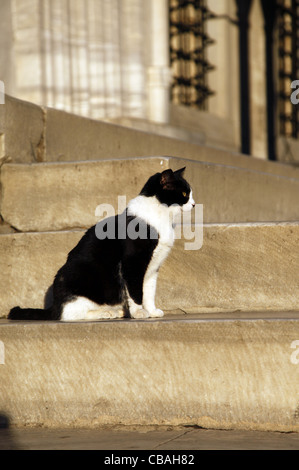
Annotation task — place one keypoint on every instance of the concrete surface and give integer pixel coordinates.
(232, 373)
(61, 196)
(155, 440)
(246, 267)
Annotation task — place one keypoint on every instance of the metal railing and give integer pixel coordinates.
(188, 54)
(288, 64)
(188, 45)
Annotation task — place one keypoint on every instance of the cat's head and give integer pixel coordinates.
(170, 188)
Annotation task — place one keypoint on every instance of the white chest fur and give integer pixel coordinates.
(160, 217)
(155, 214)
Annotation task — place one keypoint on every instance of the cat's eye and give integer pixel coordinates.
(184, 193)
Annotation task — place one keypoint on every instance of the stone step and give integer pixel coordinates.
(58, 196)
(30, 133)
(239, 267)
(61, 196)
(226, 373)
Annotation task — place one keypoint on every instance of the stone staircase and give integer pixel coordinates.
(224, 356)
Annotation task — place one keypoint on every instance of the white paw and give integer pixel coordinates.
(157, 313)
(140, 313)
(104, 313)
(114, 313)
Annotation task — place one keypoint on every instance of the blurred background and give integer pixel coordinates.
(215, 72)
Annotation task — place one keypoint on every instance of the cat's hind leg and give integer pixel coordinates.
(81, 308)
(106, 312)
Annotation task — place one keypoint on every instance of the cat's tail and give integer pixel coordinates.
(18, 313)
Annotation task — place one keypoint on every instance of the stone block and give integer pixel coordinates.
(224, 374)
(29, 263)
(23, 127)
(34, 134)
(240, 267)
(61, 196)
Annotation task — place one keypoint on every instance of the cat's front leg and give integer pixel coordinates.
(140, 311)
(156, 313)
(146, 294)
(135, 310)
(149, 292)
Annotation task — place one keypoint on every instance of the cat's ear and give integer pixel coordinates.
(167, 179)
(180, 172)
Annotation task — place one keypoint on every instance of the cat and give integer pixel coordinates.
(112, 272)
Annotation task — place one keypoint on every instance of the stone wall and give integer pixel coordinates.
(96, 58)
(109, 60)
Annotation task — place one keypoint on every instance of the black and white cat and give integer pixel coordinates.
(113, 270)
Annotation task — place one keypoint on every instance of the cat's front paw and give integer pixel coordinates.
(140, 313)
(157, 313)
